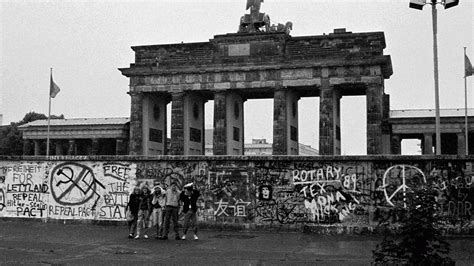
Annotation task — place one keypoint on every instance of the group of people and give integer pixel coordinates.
(158, 208)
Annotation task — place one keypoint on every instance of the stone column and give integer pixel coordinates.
(228, 124)
(386, 126)
(292, 122)
(427, 143)
(461, 143)
(285, 122)
(242, 144)
(154, 123)
(58, 148)
(396, 145)
(177, 124)
(95, 147)
(193, 124)
(329, 121)
(374, 94)
(71, 147)
(26, 147)
(136, 121)
(280, 134)
(220, 125)
(37, 146)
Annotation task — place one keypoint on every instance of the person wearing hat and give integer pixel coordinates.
(171, 211)
(189, 197)
(157, 204)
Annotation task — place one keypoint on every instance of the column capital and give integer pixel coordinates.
(374, 82)
(280, 88)
(135, 93)
(178, 93)
(326, 84)
(160, 95)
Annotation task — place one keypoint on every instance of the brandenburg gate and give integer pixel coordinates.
(260, 61)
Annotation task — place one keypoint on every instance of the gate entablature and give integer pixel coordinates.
(259, 60)
(234, 51)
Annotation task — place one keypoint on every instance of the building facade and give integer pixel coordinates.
(77, 136)
(262, 147)
(420, 124)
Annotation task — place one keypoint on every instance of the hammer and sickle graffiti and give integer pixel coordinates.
(74, 184)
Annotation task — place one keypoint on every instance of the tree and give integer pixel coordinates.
(418, 241)
(11, 142)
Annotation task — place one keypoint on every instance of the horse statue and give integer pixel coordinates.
(255, 21)
(249, 23)
(288, 27)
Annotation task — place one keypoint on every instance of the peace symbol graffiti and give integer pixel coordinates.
(74, 184)
(396, 179)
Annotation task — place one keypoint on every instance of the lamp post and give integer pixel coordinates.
(418, 4)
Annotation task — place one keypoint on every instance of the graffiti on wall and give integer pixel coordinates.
(399, 180)
(25, 190)
(2, 193)
(65, 190)
(90, 190)
(310, 192)
(260, 192)
(455, 193)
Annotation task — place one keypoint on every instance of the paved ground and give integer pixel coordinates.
(23, 242)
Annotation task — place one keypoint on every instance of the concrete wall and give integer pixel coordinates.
(278, 191)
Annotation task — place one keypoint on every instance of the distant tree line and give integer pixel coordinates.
(11, 142)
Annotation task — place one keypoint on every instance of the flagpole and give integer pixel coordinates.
(465, 109)
(49, 111)
(434, 14)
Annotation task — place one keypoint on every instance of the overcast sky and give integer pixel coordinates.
(86, 41)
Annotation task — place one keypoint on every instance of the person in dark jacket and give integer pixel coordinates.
(133, 206)
(189, 198)
(144, 211)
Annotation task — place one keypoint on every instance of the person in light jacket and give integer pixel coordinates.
(157, 203)
(171, 211)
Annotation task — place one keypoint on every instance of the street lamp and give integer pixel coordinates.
(418, 4)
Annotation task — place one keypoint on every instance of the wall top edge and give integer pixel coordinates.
(397, 158)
